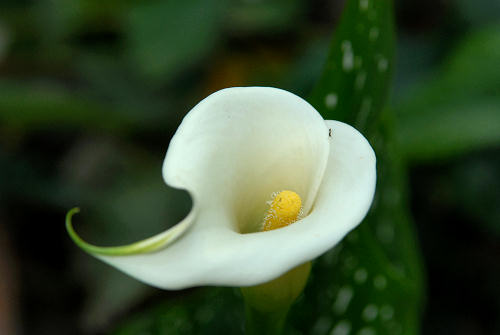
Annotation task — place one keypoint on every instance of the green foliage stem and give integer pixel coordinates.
(267, 305)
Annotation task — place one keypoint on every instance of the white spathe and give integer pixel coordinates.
(231, 152)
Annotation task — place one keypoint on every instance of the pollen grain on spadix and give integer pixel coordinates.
(285, 208)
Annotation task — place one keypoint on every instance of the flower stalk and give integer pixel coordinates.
(267, 305)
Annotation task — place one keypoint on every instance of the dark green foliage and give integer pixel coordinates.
(92, 91)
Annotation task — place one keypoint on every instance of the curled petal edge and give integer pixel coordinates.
(148, 245)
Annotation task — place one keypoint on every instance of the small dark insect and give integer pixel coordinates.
(330, 132)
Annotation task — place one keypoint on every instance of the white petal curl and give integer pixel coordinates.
(231, 152)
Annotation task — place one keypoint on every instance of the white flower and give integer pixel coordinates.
(231, 153)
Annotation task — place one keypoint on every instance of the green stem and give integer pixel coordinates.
(267, 304)
(264, 323)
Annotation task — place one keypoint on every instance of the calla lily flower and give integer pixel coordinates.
(232, 151)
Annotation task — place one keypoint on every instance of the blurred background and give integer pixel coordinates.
(91, 93)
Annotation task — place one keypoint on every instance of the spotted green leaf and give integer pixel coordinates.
(371, 282)
(355, 80)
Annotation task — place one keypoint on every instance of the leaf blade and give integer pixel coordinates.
(355, 81)
(373, 278)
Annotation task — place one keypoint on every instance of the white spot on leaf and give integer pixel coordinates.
(373, 34)
(322, 325)
(363, 4)
(370, 312)
(348, 61)
(348, 56)
(367, 331)
(383, 64)
(345, 45)
(359, 83)
(360, 276)
(380, 282)
(344, 297)
(331, 100)
(386, 312)
(342, 328)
